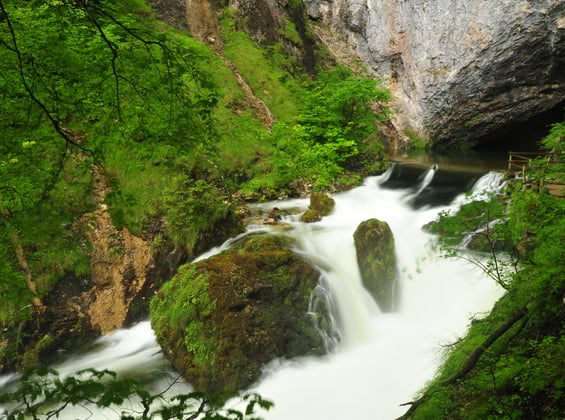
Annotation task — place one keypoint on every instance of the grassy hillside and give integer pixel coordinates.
(105, 98)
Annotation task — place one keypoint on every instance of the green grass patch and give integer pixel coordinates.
(268, 82)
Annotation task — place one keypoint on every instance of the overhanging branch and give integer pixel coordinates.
(61, 131)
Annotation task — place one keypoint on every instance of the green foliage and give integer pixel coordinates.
(550, 169)
(193, 205)
(335, 119)
(42, 225)
(337, 108)
(555, 138)
(269, 82)
(521, 373)
(15, 295)
(104, 72)
(469, 218)
(289, 32)
(533, 219)
(484, 226)
(180, 311)
(42, 394)
(416, 142)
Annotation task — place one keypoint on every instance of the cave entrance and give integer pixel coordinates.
(524, 135)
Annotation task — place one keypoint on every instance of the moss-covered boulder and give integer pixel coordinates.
(320, 205)
(376, 257)
(220, 320)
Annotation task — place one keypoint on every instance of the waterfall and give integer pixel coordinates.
(489, 184)
(377, 361)
(426, 179)
(383, 359)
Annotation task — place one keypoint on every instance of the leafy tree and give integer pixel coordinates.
(42, 394)
(552, 167)
(335, 122)
(81, 80)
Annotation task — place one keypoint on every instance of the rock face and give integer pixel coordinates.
(459, 69)
(220, 320)
(271, 22)
(376, 257)
(125, 271)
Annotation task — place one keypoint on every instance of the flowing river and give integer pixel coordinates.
(381, 360)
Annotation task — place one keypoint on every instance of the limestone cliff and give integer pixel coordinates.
(459, 69)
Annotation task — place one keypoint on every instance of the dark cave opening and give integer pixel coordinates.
(523, 135)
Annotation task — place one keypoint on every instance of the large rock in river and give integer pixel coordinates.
(376, 257)
(220, 320)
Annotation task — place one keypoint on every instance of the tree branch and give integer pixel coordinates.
(113, 49)
(471, 362)
(64, 133)
(54, 122)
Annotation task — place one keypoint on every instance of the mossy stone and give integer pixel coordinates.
(374, 243)
(220, 320)
(320, 205)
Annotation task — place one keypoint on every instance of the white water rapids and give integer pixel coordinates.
(383, 359)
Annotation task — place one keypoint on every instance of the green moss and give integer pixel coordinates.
(189, 293)
(237, 310)
(476, 119)
(200, 344)
(265, 243)
(374, 243)
(32, 357)
(320, 205)
(416, 141)
(289, 32)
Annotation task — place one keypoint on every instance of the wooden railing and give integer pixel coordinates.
(520, 163)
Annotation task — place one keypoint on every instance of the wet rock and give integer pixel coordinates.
(320, 205)
(220, 320)
(376, 257)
